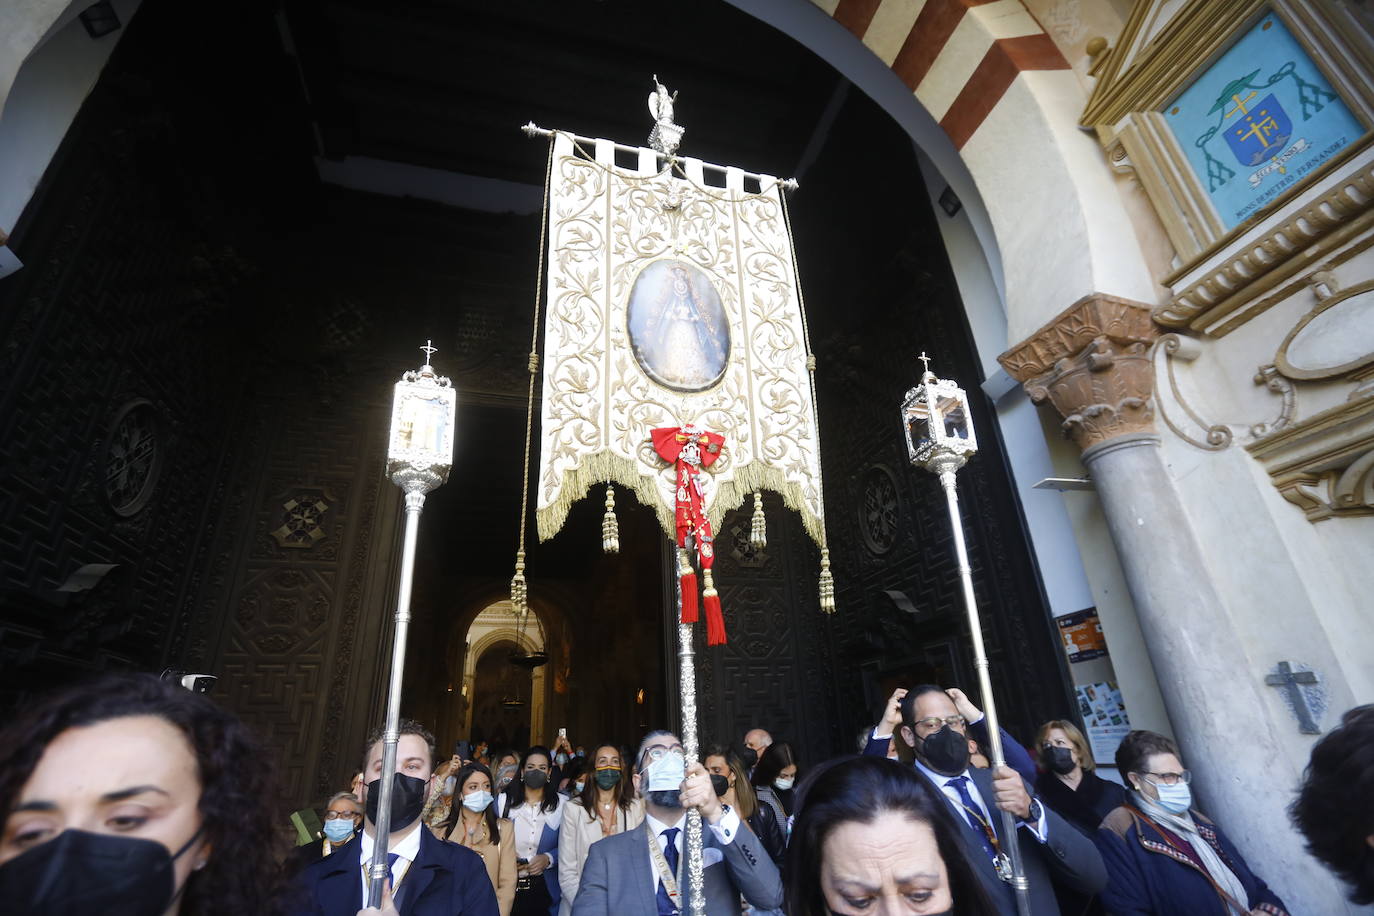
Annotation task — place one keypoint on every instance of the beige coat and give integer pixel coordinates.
(577, 834)
(499, 857)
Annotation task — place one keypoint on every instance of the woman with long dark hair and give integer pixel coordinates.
(473, 823)
(536, 810)
(606, 806)
(132, 795)
(871, 835)
(773, 779)
(731, 780)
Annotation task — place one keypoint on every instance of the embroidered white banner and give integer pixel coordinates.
(671, 303)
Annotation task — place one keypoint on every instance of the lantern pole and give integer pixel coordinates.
(419, 456)
(945, 446)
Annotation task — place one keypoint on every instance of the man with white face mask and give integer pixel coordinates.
(644, 870)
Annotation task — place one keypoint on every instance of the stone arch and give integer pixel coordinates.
(993, 104)
(502, 628)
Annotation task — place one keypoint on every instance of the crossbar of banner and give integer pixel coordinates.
(534, 130)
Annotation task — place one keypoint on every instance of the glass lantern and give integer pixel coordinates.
(423, 417)
(937, 421)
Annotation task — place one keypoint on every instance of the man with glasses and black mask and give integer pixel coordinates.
(644, 870)
(428, 877)
(935, 728)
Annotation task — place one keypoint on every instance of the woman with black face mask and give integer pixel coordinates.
(731, 781)
(536, 809)
(1069, 786)
(171, 814)
(1067, 782)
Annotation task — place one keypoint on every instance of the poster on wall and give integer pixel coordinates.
(1082, 635)
(1104, 716)
(1258, 120)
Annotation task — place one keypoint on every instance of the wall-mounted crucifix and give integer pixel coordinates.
(1290, 683)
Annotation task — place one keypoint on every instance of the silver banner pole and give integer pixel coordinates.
(687, 685)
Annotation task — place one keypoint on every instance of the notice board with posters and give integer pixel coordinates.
(1081, 632)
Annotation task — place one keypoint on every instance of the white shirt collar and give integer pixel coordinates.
(657, 827)
(940, 779)
(408, 849)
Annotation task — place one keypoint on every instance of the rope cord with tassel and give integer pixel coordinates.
(519, 588)
(610, 528)
(826, 583)
(758, 529)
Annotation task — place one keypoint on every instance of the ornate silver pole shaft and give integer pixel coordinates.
(946, 469)
(687, 684)
(377, 872)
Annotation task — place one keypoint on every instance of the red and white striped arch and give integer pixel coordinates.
(958, 56)
(1007, 103)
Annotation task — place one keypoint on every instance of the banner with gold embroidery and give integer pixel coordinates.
(671, 303)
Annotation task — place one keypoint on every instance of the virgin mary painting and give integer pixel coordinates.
(677, 326)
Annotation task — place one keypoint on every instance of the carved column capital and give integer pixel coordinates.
(1092, 362)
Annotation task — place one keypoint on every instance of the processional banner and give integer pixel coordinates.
(673, 305)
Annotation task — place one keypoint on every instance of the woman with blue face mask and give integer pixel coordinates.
(1163, 856)
(473, 823)
(343, 818)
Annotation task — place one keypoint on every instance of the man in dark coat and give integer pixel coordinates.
(428, 877)
(930, 723)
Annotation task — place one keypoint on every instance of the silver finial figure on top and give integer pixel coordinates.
(666, 135)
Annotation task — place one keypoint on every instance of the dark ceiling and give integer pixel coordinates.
(447, 85)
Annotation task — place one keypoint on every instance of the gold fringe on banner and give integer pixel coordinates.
(605, 467)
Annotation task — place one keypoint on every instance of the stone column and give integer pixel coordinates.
(1092, 363)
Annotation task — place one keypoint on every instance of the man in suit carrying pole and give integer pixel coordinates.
(643, 870)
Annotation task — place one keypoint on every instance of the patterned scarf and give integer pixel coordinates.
(1184, 826)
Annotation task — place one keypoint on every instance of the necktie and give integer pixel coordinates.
(665, 903)
(971, 814)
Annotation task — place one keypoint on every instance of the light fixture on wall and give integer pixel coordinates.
(100, 19)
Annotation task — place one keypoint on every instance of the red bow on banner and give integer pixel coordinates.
(692, 449)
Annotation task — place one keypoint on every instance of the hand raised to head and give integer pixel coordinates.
(964, 705)
(892, 715)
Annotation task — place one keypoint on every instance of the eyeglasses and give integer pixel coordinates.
(330, 815)
(1169, 779)
(931, 723)
(657, 751)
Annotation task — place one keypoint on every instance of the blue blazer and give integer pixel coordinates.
(444, 880)
(1149, 877)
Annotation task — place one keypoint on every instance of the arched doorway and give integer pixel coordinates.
(505, 702)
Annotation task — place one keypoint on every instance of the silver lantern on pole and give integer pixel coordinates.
(419, 456)
(940, 438)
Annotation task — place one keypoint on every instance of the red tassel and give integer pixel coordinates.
(688, 581)
(715, 618)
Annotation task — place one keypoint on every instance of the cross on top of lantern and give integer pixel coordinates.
(937, 422)
(423, 416)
